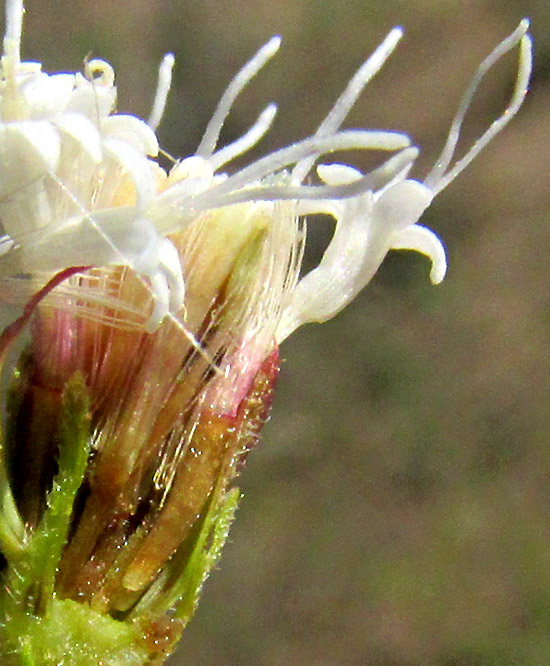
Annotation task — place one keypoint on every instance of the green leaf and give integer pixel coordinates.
(74, 450)
(71, 634)
(206, 553)
(193, 564)
(28, 584)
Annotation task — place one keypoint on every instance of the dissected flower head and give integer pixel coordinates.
(157, 300)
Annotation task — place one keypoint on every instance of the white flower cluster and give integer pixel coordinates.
(66, 156)
(63, 156)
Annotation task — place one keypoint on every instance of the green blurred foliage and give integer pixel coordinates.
(398, 511)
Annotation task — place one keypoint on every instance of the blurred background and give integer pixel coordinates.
(397, 512)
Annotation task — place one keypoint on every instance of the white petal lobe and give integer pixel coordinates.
(402, 204)
(84, 132)
(133, 131)
(424, 240)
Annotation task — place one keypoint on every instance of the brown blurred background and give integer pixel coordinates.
(398, 510)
